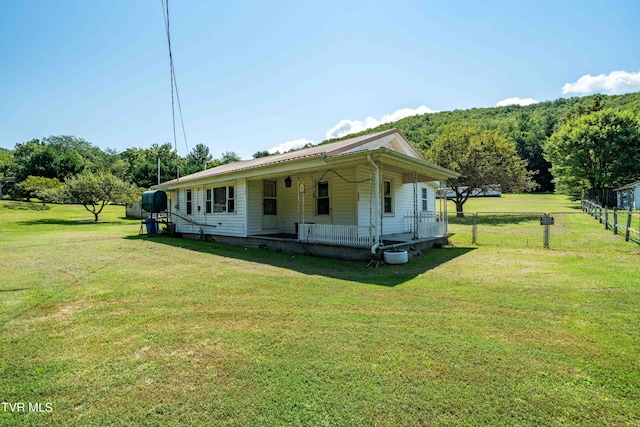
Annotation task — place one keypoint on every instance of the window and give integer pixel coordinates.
(220, 200)
(322, 201)
(425, 205)
(269, 206)
(207, 203)
(231, 199)
(189, 205)
(387, 197)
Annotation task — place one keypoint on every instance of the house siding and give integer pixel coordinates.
(295, 207)
(365, 196)
(226, 224)
(402, 204)
(342, 193)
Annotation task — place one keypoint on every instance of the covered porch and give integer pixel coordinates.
(354, 201)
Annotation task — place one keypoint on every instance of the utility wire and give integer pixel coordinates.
(174, 82)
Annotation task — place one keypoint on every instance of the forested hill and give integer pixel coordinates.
(527, 126)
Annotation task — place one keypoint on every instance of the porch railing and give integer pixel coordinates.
(430, 224)
(342, 235)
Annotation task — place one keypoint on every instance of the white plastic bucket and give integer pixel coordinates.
(395, 257)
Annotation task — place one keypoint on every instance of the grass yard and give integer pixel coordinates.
(532, 202)
(104, 327)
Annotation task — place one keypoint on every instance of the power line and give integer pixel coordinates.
(174, 83)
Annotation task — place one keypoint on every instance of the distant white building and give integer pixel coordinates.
(134, 210)
(628, 196)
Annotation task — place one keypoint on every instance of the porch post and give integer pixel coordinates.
(380, 199)
(376, 208)
(298, 218)
(415, 206)
(301, 190)
(371, 213)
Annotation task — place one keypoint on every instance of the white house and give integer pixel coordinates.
(361, 195)
(629, 196)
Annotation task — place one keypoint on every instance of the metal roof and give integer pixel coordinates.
(324, 151)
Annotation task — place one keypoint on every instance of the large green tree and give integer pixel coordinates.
(527, 132)
(94, 191)
(7, 163)
(198, 159)
(142, 164)
(229, 157)
(595, 151)
(59, 157)
(38, 158)
(485, 159)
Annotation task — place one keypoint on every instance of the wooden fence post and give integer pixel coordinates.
(628, 229)
(474, 229)
(606, 218)
(600, 214)
(615, 221)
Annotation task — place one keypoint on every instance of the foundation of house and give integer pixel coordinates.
(290, 244)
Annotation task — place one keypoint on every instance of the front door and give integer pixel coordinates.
(269, 206)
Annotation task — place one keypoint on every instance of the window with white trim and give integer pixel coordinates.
(322, 199)
(231, 199)
(208, 201)
(388, 201)
(425, 205)
(189, 203)
(220, 200)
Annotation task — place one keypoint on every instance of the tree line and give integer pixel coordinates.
(68, 169)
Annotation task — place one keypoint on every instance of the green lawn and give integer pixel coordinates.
(531, 202)
(115, 329)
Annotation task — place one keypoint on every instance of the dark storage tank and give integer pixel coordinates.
(154, 201)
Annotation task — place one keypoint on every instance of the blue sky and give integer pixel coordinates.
(259, 75)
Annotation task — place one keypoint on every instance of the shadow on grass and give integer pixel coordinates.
(52, 221)
(497, 218)
(26, 206)
(387, 275)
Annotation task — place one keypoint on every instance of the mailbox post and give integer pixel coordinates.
(547, 222)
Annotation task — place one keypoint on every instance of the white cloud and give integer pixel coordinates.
(346, 126)
(616, 82)
(516, 101)
(289, 145)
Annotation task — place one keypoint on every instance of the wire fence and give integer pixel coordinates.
(572, 230)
